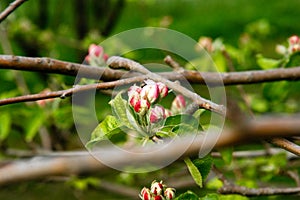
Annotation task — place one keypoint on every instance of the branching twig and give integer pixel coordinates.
(43, 166)
(119, 62)
(286, 144)
(13, 6)
(48, 65)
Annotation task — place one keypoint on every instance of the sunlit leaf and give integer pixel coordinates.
(194, 172)
(105, 130)
(267, 63)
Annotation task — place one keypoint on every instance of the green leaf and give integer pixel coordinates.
(121, 111)
(267, 63)
(194, 172)
(5, 120)
(204, 165)
(33, 125)
(189, 195)
(109, 127)
(178, 124)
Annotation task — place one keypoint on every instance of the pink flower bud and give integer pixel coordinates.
(178, 104)
(145, 194)
(95, 50)
(96, 55)
(150, 92)
(169, 193)
(163, 89)
(157, 187)
(141, 106)
(134, 90)
(294, 40)
(157, 113)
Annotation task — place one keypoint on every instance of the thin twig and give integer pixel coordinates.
(71, 91)
(47, 65)
(13, 6)
(172, 63)
(119, 62)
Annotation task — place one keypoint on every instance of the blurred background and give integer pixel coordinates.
(65, 29)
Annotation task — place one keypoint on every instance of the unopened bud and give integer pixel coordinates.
(141, 106)
(156, 114)
(96, 55)
(145, 194)
(150, 91)
(294, 40)
(178, 104)
(169, 193)
(163, 89)
(157, 187)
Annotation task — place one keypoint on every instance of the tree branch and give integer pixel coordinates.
(48, 65)
(117, 62)
(43, 166)
(13, 6)
(235, 189)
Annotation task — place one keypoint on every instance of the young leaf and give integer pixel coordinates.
(267, 63)
(120, 107)
(5, 120)
(194, 172)
(109, 127)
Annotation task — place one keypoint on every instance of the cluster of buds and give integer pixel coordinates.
(96, 56)
(205, 43)
(140, 98)
(294, 46)
(294, 43)
(157, 191)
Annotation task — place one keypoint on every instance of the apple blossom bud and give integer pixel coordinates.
(96, 55)
(95, 50)
(294, 43)
(150, 92)
(294, 40)
(178, 104)
(145, 194)
(156, 114)
(157, 187)
(169, 193)
(134, 90)
(163, 89)
(141, 106)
